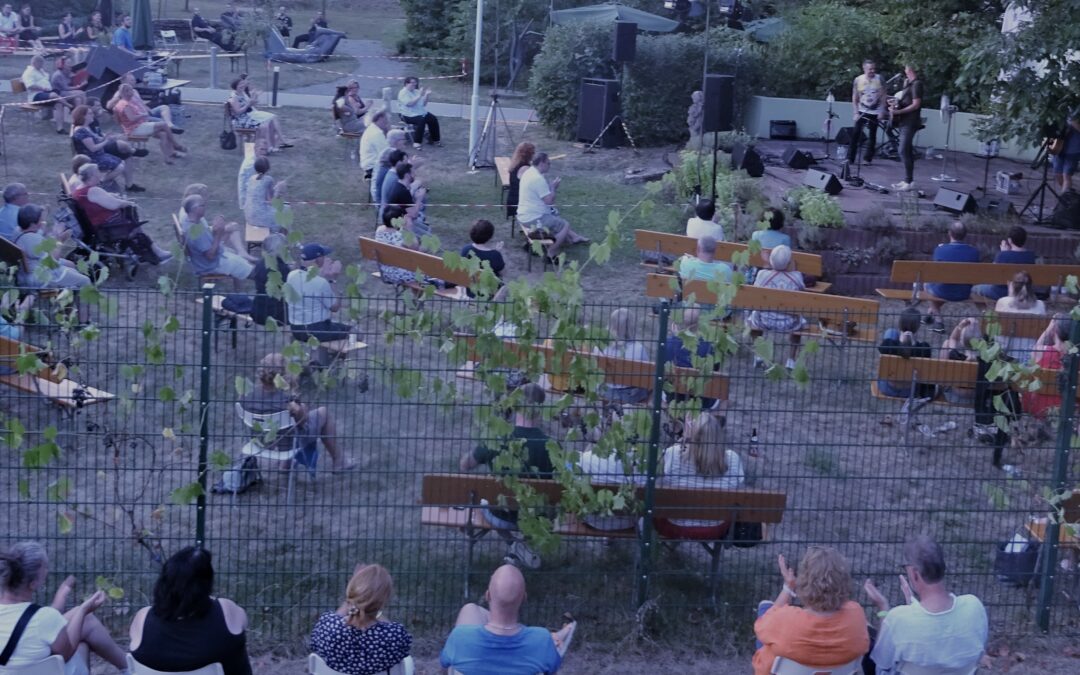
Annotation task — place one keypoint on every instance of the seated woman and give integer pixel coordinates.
(114, 218)
(774, 236)
(134, 117)
(312, 424)
(624, 346)
(519, 162)
(830, 628)
(96, 30)
(781, 276)
(349, 108)
(960, 346)
(699, 461)
(93, 145)
(30, 31)
(1020, 300)
(389, 232)
(356, 639)
(480, 235)
(77, 162)
(23, 570)
(31, 237)
(114, 145)
(1050, 351)
(679, 355)
(244, 115)
(259, 197)
(39, 89)
(186, 627)
(160, 113)
(901, 342)
(69, 34)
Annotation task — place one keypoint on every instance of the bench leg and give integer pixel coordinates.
(235, 331)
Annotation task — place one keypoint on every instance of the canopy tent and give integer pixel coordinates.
(766, 30)
(142, 25)
(610, 12)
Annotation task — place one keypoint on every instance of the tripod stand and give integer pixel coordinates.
(483, 155)
(1043, 157)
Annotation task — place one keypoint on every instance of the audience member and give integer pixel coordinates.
(704, 266)
(773, 236)
(934, 629)
(527, 402)
(261, 192)
(318, 22)
(350, 108)
(413, 105)
(283, 22)
(186, 627)
(15, 197)
(242, 104)
(493, 641)
(356, 639)
(23, 570)
(87, 142)
(39, 89)
(9, 22)
(536, 210)
(1050, 351)
(519, 162)
(372, 143)
(114, 144)
(96, 30)
(960, 346)
(158, 113)
(77, 162)
(902, 342)
(389, 181)
(1013, 253)
(624, 346)
(782, 277)
(1020, 300)
(252, 151)
(678, 353)
(829, 631)
(312, 299)
(480, 235)
(29, 29)
(954, 251)
(704, 224)
(68, 33)
(396, 139)
(225, 39)
(121, 37)
(31, 239)
(230, 18)
(134, 117)
(114, 218)
(264, 305)
(63, 84)
(206, 245)
(391, 231)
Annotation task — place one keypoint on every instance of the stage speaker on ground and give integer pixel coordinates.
(747, 159)
(823, 180)
(843, 137)
(719, 103)
(956, 202)
(798, 159)
(624, 48)
(598, 104)
(996, 206)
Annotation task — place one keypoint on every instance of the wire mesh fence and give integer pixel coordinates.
(108, 426)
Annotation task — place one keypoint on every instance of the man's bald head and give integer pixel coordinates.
(506, 590)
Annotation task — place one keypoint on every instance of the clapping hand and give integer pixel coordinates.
(905, 588)
(876, 597)
(786, 572)
(62, 593)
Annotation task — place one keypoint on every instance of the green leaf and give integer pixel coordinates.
(242, 385)
(166, 394)
(14, 433)
(219, 460)
(58, 490)
(172, 324)
(186, 494)
(24, 488)
(65, 522)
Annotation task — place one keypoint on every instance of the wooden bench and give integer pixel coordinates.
(502, 175)
(254, 236)
(424, 263)
(30, 109)
(232, 57)
(46, 382)
(453, 500)
(677, 245)
(833, 312)
(544, 242)
(915, 274)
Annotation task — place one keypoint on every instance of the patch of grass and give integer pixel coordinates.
(825, 461)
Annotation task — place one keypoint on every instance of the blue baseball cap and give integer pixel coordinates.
(312, 251)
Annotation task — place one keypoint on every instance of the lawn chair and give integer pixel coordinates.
(316, 666)
(30, 109)
(167, 38)
(54, 665)
(914, 669)
(273, 441)
(782, 666)
(139, 669)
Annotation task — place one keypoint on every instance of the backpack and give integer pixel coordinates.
(243, 475)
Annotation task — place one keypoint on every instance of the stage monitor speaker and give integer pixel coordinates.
(598, 104)
(823, 180)
(996, 206)
(1066, 214)
(843, 137)
(747, 159)
(957, 202)
(624, 48)
(798, 159)
(719, 110)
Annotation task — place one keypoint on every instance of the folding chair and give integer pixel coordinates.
(267, 430)
(54, 665)
(139, 669)
(317, 666)
(167, 38)
(782, 666)
(913, 669)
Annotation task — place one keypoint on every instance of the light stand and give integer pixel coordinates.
(1044, 185)
(829, 117)
(484, 152)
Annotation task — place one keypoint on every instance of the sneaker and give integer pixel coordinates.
(416, 146)
(135, 188)
(903, 186)
(163, 258)
(938, 327)
(520, 552)
(141, 152)
(176, 130)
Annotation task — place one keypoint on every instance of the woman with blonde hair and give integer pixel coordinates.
(702, 462)
(521, 160)
(624, 346)
(356, 639)
(828, 630)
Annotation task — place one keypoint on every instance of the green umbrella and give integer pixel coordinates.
(142, 25)
(610, 13)
(766, 30)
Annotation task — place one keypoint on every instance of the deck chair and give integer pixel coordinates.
(319, 49)
(54, 665)
(139, 669)
(782, 666)
(316, 666)
(167, 38)
(913, 669)
(271, 440)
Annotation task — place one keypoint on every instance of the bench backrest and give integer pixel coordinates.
(678, 244)
(946, 372)
(10, 350)
(397, 256)
(1019, 325)
(748, 505)
(17, 86)
(926, 271)
(11, 255)
(626, 372)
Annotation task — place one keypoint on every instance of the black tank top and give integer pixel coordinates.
(192, 643)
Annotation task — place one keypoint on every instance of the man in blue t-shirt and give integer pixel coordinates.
(1012, 253)
(954, 251)
(122, 35)
(1065, 162)
(493, 641)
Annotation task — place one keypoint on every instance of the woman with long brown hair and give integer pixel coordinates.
(521, 160)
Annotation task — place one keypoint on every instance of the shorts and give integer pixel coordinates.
(42, 96)
(548, 224)
(1065, 164)
(144, 129)
(233, 265)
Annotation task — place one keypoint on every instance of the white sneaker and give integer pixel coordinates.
(903, 186)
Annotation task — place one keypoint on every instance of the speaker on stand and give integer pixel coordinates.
(718, 112)
(598, 107)
(624, 46)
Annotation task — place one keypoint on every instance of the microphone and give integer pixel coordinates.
(894, 78)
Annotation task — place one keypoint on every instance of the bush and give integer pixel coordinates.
(815, 207)
(732, 187)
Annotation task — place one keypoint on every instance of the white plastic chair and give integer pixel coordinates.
(54, 665)
(317, 666)
(167, 38)
(139, 669)
(281, 422)
(914, 669)
(782, 666)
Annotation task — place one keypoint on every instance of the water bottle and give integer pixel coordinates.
(755, 448)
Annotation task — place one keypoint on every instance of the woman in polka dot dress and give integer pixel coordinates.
(354, 639)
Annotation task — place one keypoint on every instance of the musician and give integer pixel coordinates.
(906, 111)
(1065, 160)
(868, 99)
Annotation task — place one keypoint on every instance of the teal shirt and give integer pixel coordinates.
(694, 269)
(771, 238)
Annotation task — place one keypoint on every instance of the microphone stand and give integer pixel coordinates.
(829, 117)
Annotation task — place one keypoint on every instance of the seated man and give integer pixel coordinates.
(493, 641)
(200, 27)
(312, 300)
(112, 218)
(206, 246)
(1012, 252)
(263, 305)
(536, 200)
(954, 251)
(15, 196)
(704, 224)
(934, 629)
(413, 106)
(318, 22)
(60, 273)
(537, 464)
(704, 266)
(230, 18)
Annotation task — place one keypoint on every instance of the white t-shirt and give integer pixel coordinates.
(9, 22)
(36, 642)
(411, 102)
(372, 143)
(698, 228)
(1008, 306)
(32, 77)
(1020, 348)
(316, 298)
(679, 471)
(955, 638)
(609, 471)
(533, 190)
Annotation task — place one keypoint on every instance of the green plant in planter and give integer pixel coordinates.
(853, 258)
(820, 210)
(889, 247)
(731, 186)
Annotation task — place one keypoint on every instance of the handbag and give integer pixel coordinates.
(228, 136)
(746, 535)
(1016, 568)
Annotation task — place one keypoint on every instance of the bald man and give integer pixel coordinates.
(493, 641)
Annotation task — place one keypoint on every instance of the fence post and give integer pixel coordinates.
(213, 67)
(645, 551)
(1061, 471)
(204, 410)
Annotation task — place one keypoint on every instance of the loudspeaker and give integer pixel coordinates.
(997, 206)
(957, 202)
(843, 137)
(1067, 212)
(786, 130)
(798, 159)
(823, 180)
(598, 104)
(719, 103)
(747, 159)
(624, 47)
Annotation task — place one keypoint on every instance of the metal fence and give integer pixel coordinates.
(114, 487)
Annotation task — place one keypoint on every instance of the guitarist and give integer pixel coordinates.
(1067, 154)
(906, 111)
